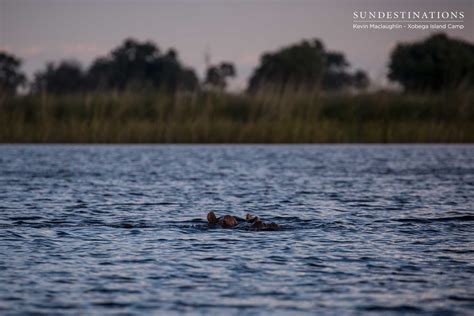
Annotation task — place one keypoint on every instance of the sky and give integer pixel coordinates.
(228, 30)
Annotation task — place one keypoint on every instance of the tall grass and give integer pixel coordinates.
(293, 117)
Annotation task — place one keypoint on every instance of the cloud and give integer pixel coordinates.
(31, 51)
(6, 48)
(26, 51)
(80, 50)
(248, 58)
(76, 50)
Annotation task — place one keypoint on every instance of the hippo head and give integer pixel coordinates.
(229, 221)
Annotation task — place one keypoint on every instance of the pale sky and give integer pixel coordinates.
(231, 30)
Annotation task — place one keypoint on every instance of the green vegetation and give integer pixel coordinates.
(292, 117)
(437, 63)
(305, 65)
(301, 93)
(216, 76)
(10, 75)
(131, 64)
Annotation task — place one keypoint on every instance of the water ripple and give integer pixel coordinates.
(122, 230)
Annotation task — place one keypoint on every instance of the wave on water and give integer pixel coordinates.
(464, 218)
(124, 230)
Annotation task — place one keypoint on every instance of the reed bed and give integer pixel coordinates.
(212, 117)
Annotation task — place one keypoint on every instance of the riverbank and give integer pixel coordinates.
(128, 117)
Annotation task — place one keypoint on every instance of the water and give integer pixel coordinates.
(103, 230)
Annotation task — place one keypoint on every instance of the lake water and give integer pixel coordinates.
(100, 230)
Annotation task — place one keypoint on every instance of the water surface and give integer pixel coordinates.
(121, 230)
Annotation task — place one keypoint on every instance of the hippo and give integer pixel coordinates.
(229, 221)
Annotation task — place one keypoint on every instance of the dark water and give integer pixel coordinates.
(121, 230)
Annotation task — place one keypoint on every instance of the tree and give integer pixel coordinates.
(65, 77)
(298, 65)
(335, 76)
(360, 80)
(216, 76)
(437, 63)
(305, 65)
(10, 75)
(100, 75)
(140, 64)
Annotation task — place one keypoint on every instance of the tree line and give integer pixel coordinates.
(432, 64)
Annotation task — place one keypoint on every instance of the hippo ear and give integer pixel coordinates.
(211, 218)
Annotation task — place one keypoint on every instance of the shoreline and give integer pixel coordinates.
(219, 118)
